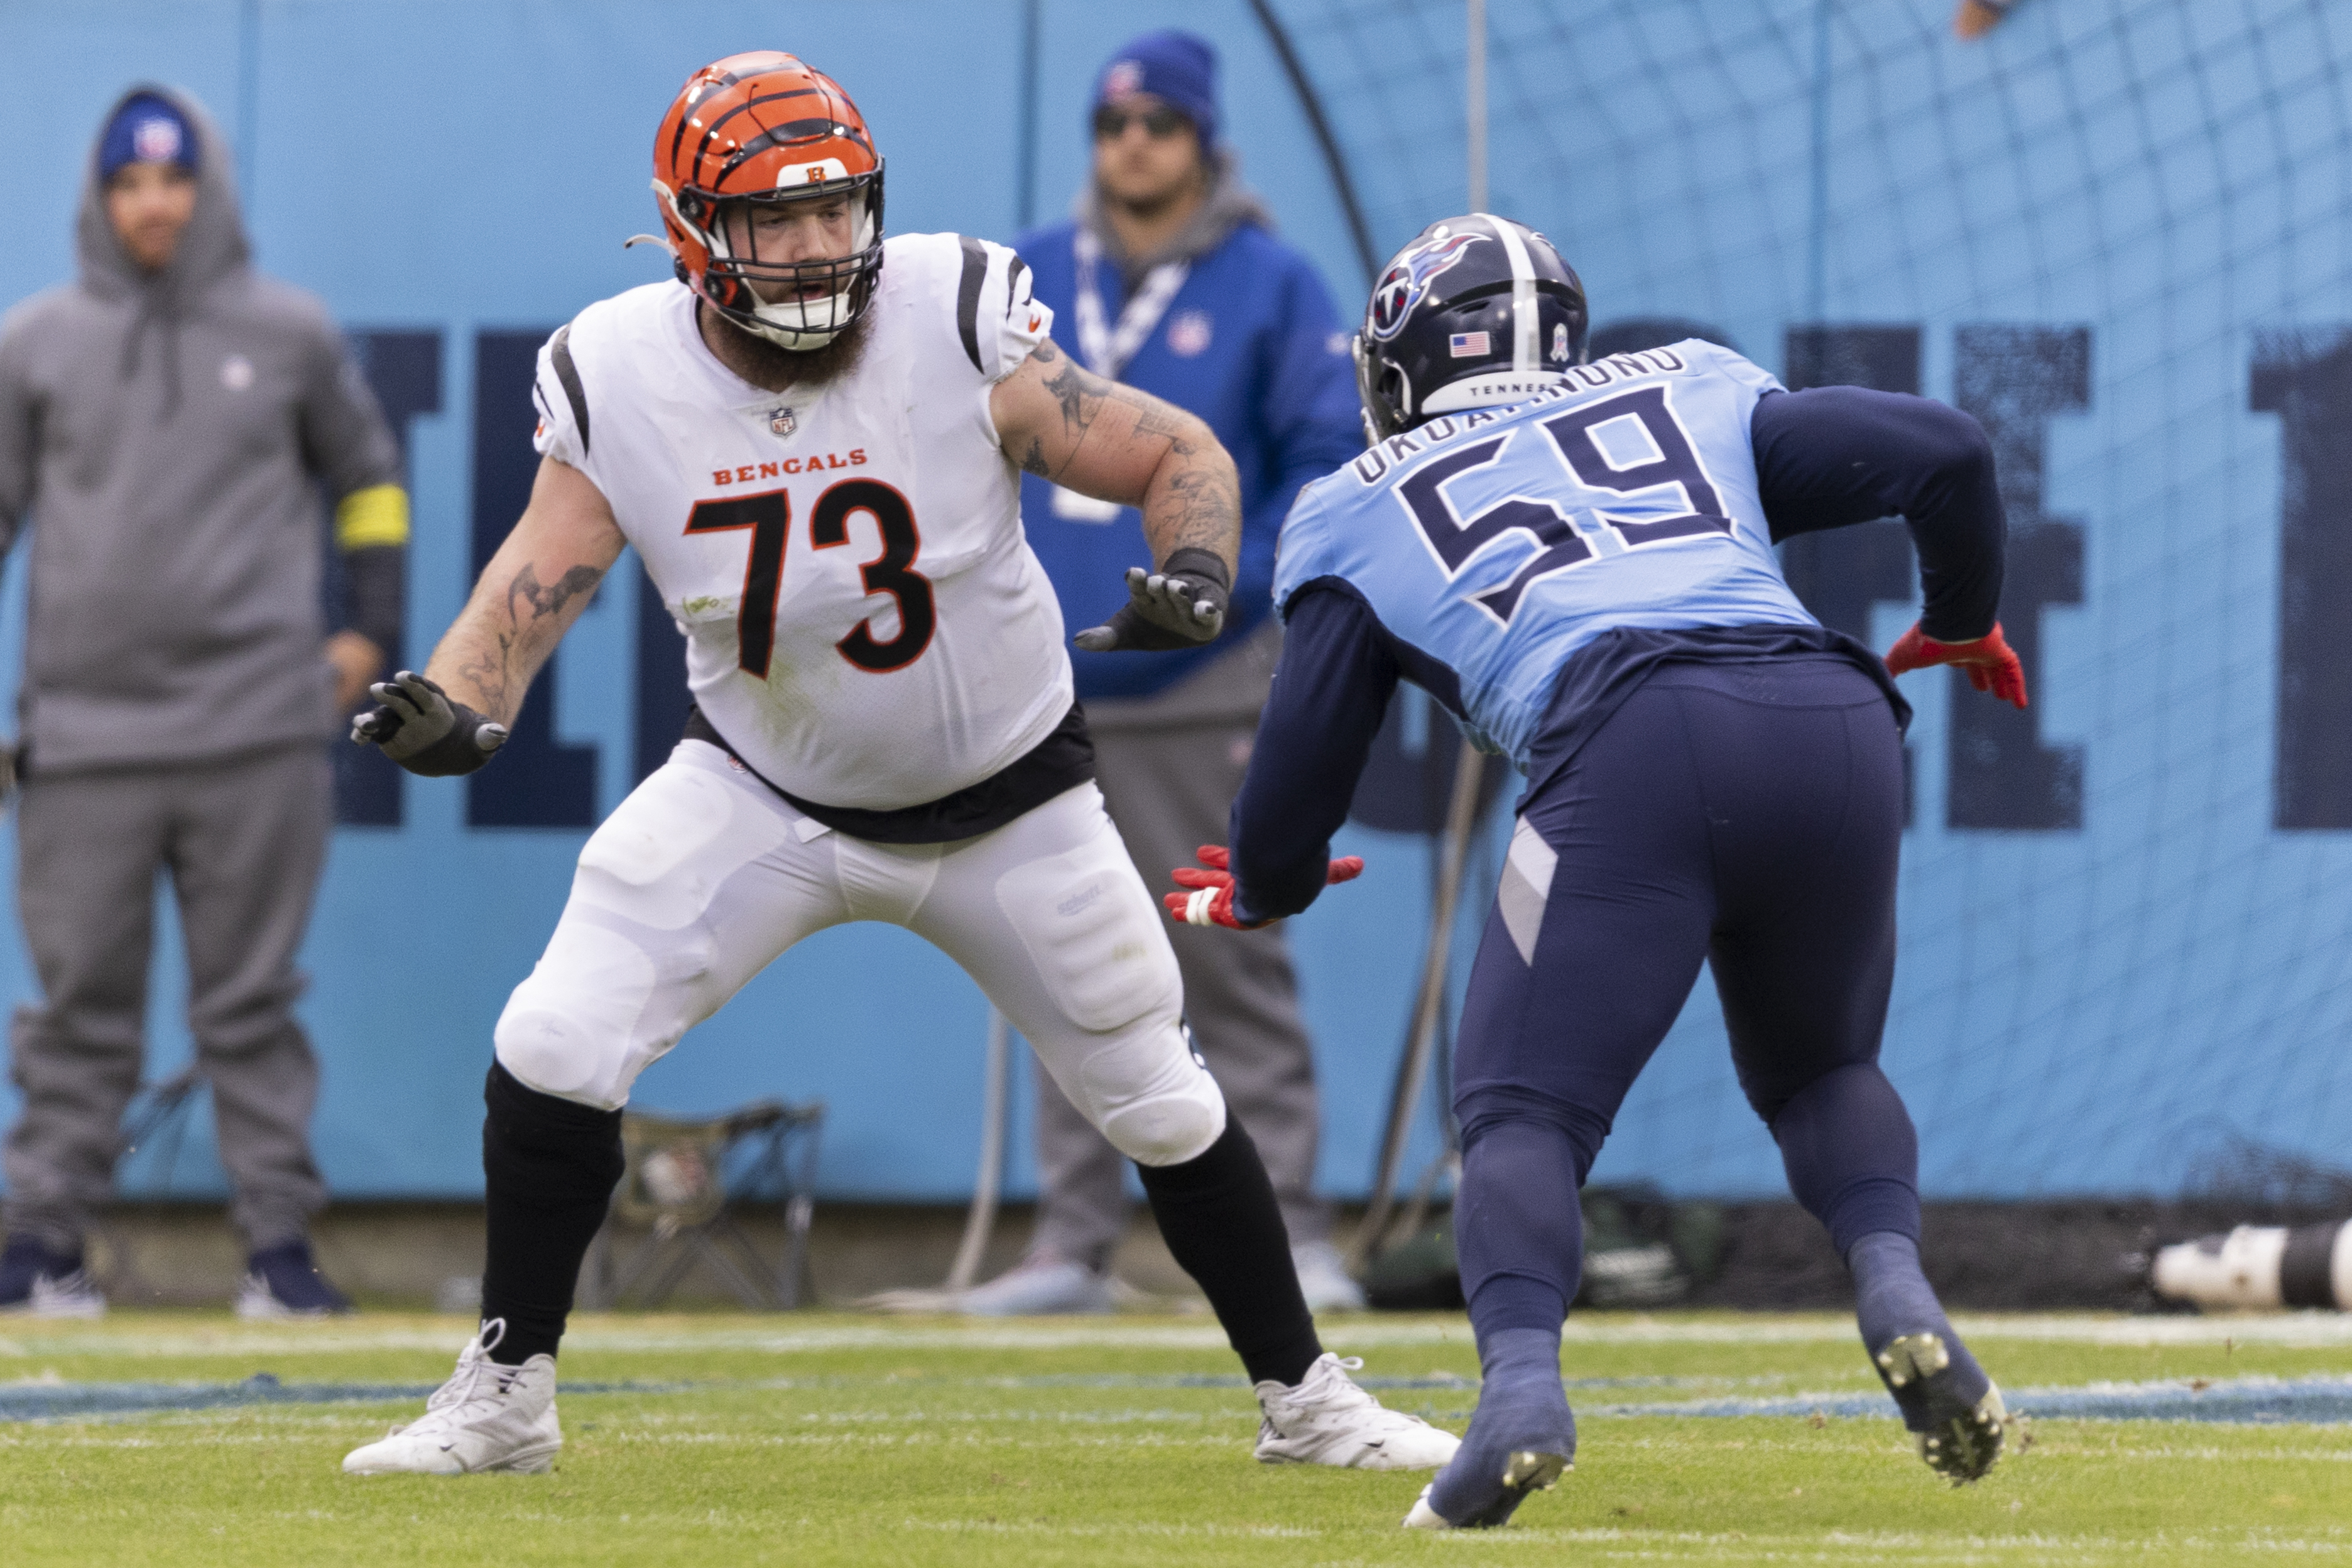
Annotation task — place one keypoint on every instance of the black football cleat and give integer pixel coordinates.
(1959, 1430)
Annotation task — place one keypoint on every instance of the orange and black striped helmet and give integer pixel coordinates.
(756, 131)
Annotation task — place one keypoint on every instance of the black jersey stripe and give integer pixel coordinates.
(1013, 283)
(560, 351)
(975, 272)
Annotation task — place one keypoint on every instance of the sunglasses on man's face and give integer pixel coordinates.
(1111, 122)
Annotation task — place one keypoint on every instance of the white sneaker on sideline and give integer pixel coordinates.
(1043, 1286)
(1327, 1420)
(74, 1295)
(1323, 1279)
(488, 1417)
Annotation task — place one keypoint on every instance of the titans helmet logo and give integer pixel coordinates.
(1403, 286)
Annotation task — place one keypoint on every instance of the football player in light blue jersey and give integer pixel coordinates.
(1577, 560)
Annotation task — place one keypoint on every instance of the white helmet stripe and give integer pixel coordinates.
(1525, 328)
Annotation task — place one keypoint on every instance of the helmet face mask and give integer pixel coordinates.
(1477, 311)
(746, 137)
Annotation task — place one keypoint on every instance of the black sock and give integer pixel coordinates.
(1217, 1214)
(550, 1167)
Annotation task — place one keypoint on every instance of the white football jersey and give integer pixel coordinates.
(865, 622)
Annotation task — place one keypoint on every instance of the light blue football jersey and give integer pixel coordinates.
(1499, 541)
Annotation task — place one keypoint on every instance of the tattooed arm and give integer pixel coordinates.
(1064, 423)
(532, 592)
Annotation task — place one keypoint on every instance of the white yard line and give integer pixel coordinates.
(27, 1341)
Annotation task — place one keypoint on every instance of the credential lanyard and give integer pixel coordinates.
(1106, 350)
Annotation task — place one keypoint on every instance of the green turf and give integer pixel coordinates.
(825, 1439)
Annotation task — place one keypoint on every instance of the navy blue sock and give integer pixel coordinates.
(1518, 1231)
(1521, 1406)
(1891, 1298)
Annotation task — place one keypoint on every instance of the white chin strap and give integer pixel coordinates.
(785, 325)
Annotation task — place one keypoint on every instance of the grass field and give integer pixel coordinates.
(156, 1437)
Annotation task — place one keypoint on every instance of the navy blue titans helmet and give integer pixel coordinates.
(1475, 312)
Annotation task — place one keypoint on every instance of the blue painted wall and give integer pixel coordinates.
(2114, 955)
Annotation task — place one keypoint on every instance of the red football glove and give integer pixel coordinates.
(1211, 903)
(1988, 662)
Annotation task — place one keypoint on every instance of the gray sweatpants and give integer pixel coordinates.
(1168, 767)
(243, 839)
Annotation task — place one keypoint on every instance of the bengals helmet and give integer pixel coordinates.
(758, 129)
(1477, 311)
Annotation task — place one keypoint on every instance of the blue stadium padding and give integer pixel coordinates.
(2103, 971)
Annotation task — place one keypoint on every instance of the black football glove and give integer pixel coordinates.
(1181, 606)
(417, 726)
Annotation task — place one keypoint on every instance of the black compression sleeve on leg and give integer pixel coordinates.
(549, 1166)
(1218, 1214)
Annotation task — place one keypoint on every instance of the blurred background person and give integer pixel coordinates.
(167, 424)
(1168, 277)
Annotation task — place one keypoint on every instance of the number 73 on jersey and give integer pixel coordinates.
(766, 518)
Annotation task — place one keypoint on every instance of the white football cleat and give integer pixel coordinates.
(1327, 1420)
(74, 1295)
(1037, 1286)
(488, 1417)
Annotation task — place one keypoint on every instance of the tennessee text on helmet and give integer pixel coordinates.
(756, 131)
(1477, 311)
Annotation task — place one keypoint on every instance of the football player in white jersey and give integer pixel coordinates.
(812, 438)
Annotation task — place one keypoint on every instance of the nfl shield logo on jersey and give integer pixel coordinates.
(1188, 334)
(782, 423)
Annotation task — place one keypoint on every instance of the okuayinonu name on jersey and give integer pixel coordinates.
(1528, 566)
(1498, 542)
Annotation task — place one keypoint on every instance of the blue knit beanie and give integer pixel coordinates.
(146, 129)
(1177, 68)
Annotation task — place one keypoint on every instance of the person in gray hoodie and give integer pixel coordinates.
(167, 425)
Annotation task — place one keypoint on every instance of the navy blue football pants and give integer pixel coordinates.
(1746, 815)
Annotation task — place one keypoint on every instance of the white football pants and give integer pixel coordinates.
(704, 876)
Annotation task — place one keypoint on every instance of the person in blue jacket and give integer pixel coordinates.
(1168, 277)
(1576, 560)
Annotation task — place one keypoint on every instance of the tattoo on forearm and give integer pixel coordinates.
(1197, 508)
(489, 644)
(1033, 460)
(486, 671)
(541, 600)
(1044, 353)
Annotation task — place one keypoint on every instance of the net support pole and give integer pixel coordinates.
(1025, 196)
(1474, 96)
(996, 1098)
(248, 100)
(1817, 244)
(1429, 1006)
